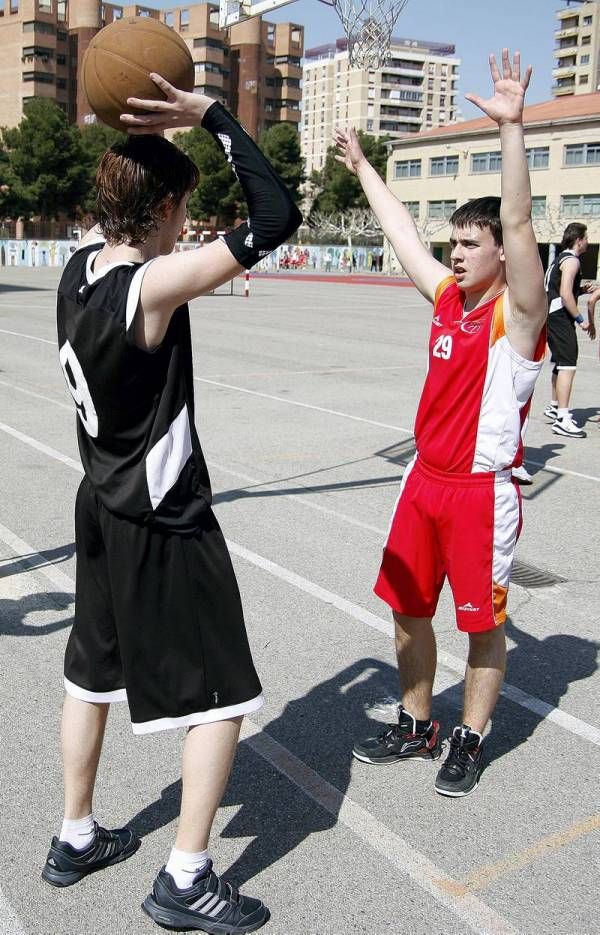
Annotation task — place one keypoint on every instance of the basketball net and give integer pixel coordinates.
(368, 25)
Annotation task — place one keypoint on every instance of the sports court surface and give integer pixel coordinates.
(306, 394)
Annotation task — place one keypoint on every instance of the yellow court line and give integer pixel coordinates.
(485, 875)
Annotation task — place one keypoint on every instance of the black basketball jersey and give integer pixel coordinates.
(135, 408)
(553, 279)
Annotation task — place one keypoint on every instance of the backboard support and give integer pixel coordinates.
(234, 11)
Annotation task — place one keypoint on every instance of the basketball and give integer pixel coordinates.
(118, 62)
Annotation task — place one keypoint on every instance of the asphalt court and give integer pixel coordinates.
(305, 399)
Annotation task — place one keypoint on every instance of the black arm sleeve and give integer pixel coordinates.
(272, 215)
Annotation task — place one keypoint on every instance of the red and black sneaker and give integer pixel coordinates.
(400, 741)
(462, 767)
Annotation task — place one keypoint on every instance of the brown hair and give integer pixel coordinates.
(136, 180)
(481, 212)
(572, 232)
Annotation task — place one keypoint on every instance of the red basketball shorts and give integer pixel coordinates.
(463, 526)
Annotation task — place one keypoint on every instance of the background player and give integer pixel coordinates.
(563, 285)
(458, 513)
(158, 620)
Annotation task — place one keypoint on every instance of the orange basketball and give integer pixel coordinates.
(118, 62)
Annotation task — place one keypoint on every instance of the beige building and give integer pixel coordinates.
(434, 172)
(416, 89)
(577, 49)
(254, 67)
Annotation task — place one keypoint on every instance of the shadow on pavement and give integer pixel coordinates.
(14, 287)
(584, 416)
(14, 612)
(23, 563)
(321, 727)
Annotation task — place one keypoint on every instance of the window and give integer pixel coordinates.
(296, 36)
(37, 26)
(413, 209)
(207, 42)
(45, 6)
(407, 168)
(41, 76)
(586, 40)
(271, 33)
(184, 19)
(61, 35)
(61, 59)
(587, 20)
(14, 6)
(169, 19)
(582, 154)
(584, 60)
(576, 206)
(538, 157)
(371, 94)
(369, 125)
(538, 206)
(440, 209)
(583, 79)
(38, 51)
(443, 165)
(486, 162)
(287, 60)
(213, 18)
(61, 83)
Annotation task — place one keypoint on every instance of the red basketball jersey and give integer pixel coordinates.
(478, 388)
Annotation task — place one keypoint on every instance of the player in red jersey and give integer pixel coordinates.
(458, 513)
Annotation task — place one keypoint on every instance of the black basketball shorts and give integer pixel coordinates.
(562, 340)
(158, 622)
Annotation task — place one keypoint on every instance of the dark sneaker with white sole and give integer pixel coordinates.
(66, 865)
(462, 767)
(208, 905)
(400, 741)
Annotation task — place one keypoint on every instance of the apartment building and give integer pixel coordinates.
(415, 90)
(435, 171)
(577, 49)
(254, 67)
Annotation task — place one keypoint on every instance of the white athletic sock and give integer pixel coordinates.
(78, 832)
(184, 866)
(554, 402)
(562, 413)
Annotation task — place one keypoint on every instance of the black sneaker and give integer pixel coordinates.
(400, 742)
(462, 767)
(208, 905)
(65, 865)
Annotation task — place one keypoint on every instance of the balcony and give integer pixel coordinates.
(567, 33)
(558, 89)
(570, 49)
(565, 71)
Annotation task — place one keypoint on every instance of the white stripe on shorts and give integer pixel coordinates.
(199, 717)
(120, 694)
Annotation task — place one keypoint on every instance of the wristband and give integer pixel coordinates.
(579, 319)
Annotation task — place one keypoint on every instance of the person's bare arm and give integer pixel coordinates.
(591, 310)
(524, 273)
(397, 224)
(568, 271)
(172, 280)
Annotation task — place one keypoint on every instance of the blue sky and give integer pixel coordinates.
(475, 27)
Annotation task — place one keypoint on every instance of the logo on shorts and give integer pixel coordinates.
(469, 607)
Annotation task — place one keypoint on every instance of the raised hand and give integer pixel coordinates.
(351, 154)
(506, 106)
(180, 109)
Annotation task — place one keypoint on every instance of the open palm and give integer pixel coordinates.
(506, 106)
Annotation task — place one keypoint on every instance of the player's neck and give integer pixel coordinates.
(475, 297)
(129, 253)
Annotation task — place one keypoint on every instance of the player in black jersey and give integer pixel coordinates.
(158, 618)
(563, 285)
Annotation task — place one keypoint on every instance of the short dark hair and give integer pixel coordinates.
(136, 179)
(571, 233)
(480, 212)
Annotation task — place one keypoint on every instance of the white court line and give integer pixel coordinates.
(427, 875)
(453, 663)
(30, 337)
(295, 373)
(293, 402)
(48, 399)
(35, 561)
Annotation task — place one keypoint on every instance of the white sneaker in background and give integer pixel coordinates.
(522, 475)
(567, 427)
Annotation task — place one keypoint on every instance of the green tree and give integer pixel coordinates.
(339, 189)
(218, 193)
(281, 146)
(46, 161)
(96, 138)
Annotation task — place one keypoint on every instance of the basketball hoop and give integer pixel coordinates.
(368, 25)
